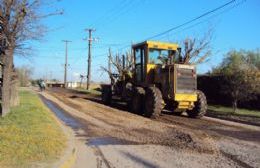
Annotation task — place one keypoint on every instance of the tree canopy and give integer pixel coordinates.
(20, 22)
(241, 74)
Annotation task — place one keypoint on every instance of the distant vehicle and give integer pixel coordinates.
(158, 80)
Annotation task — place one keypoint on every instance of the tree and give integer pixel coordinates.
(81, 79)
(122, 66)
(21, 22)
(253, 58)
(14, 84)
(24, 75)
(197, 50)
(241, 76)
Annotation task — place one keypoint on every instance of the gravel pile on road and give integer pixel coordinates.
(177, 141)
(104, 121)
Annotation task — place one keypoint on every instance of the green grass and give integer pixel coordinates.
(30, 134)
(222, 110)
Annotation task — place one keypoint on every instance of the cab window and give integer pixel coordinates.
(139, 62)
(157, 56)
(138, 56)
(154, 55)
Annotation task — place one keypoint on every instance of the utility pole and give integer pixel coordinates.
(109, 60)
(66, 62)
(109, 65)
(90, 39)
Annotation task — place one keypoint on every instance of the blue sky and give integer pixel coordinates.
(118, 23)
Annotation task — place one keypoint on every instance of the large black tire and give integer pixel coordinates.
(200, 108)
(106, 95)
(136, 104)
(153, 102)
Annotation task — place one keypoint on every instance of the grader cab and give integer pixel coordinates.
(161, 81)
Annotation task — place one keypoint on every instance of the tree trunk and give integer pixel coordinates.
(7, 71)
(234, 106)
(14, 97)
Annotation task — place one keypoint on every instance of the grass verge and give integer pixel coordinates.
(222, 110)
(30, 135)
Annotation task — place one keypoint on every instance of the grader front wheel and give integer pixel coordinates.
(153, 102)
(200, 108)
(106, 95)
(136, 104)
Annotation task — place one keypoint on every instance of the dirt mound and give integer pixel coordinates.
(154, 133)
(104, 121)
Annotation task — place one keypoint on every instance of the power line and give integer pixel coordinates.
(188, 22)
(58, 49)
(131, 5)
(54, 57)
(192, 20)
(113, 12)
(77, 60)
(105, 14)
(108, 45)
(170, 30)
(100, 55)
(106, 53)
(193, 25)
(124, 47)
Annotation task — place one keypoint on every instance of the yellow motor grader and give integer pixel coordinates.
(159, 80)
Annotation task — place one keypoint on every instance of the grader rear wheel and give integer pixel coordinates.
(106, 95)
(136, 104)
(153, 102)
(179, 113)
(200, 108)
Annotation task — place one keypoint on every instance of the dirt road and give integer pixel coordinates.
(112, 137)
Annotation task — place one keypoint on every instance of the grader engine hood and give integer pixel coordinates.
(185, 78)
(185, 86)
